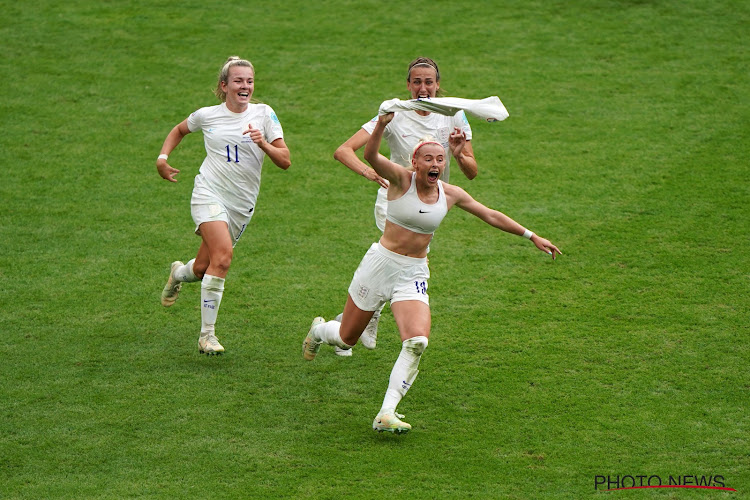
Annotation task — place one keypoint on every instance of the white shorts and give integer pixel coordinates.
(384, 276)
(214, 211)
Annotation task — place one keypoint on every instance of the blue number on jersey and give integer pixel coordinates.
(236, 154)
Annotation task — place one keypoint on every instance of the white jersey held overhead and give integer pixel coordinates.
(405, 131)
(490, 109)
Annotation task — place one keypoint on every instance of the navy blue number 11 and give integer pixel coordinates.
(236, 154)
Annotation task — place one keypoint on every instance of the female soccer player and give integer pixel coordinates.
(402, 134)
(395, 269)
(238, 135)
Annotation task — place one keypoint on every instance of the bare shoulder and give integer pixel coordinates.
(454, 194)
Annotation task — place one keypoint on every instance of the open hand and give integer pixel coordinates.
(457, 141)
(546, 246)
(166, 171)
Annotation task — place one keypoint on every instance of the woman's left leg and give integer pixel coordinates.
(413, 320)
(213, 261)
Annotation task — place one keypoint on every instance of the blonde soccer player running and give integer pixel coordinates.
(395, 269)
(238, 135)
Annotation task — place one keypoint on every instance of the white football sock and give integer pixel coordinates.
(185, 273)
(212, 289)
(404, 372)
(329, 333)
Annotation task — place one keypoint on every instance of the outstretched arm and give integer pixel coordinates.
(383, 166)
(464, 201)
(346, 155)
(166, 171)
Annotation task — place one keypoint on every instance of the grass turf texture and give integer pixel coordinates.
(627, 146)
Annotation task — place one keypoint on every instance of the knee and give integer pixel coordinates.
(199, 268)
(416, 345)
(222, 259)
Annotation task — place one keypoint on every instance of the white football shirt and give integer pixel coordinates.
(232, 167)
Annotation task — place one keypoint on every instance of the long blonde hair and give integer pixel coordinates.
(224, 74)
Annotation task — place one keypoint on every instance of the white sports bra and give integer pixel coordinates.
(415, 215)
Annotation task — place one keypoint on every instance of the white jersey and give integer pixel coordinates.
(232, 167)
(408, 127)
(490, 108)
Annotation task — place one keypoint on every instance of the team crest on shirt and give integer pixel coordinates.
(443, 134)
(363, 292)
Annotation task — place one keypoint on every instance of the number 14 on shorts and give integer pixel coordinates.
(421, 287)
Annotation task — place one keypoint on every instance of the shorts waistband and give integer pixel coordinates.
(401, 259)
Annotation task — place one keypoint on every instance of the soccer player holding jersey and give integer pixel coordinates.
(238, 135)
(402, 134)
(395, 269)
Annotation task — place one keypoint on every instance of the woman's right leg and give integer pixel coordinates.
(342, 335)
(180, 273)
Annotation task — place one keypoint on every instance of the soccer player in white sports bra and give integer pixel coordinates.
(395, 269)
(402, 134)
(238, 135)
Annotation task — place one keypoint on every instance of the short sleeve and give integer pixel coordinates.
(370, 126)
(460, 121)
(272, 126)
(195, 120)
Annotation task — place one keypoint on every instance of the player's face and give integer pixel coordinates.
(430, 162)
(239, 86)
(422, 82)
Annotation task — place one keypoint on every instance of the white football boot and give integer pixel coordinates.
(310, 346)
(369, 337)
(209, 344)
(172, 288)
(344, 353)
(390, 421)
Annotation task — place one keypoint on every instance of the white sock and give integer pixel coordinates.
(185, 273)
(404, 372)
(329, 333)
(212, 288)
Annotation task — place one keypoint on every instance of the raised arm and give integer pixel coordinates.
(346, 154)
(166, 171)
(396, 174)
(463, 153)
(464, 201)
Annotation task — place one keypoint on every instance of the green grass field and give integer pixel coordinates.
(627, 145)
